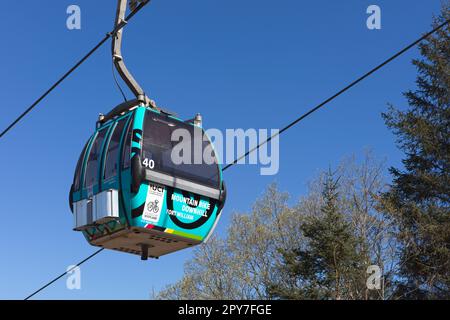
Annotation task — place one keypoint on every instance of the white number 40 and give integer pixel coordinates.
(149, 163)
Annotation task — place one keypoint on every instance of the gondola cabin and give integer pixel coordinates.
(129, 194)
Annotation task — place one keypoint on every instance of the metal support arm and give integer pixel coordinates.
(117, 51)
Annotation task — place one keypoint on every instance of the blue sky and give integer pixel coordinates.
(241, 64)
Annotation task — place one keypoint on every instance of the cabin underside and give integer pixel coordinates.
(139, 240)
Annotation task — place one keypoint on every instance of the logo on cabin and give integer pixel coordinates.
(187, 210)
(153, 203)
(153, 206)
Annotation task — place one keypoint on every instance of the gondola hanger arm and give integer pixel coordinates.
(116, 49)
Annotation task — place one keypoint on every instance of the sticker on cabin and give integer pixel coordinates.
(187, 210)
(154, 203)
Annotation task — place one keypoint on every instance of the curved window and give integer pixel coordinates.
(126, 160)
(182, 158)
(76, 180)
(91, 175)
(112, 156)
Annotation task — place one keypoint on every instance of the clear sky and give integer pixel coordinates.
(241, 64)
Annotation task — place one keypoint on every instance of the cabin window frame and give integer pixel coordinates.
(77, 184)
(126, 142)
(123, 120)
(96, 182)
(174, 170)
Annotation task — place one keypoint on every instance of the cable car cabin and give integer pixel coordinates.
(129, 195)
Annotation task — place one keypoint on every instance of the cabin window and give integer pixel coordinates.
(158, 146)
(91, 176)
(112, 155)
(76, 182)
(126, 157)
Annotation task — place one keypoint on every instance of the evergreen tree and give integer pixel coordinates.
(418, 200)
(328, 266)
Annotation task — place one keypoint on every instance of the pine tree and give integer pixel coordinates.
(328, 264)
(418, 200)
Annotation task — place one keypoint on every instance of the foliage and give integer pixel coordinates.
(418, 201)
(334, 221)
